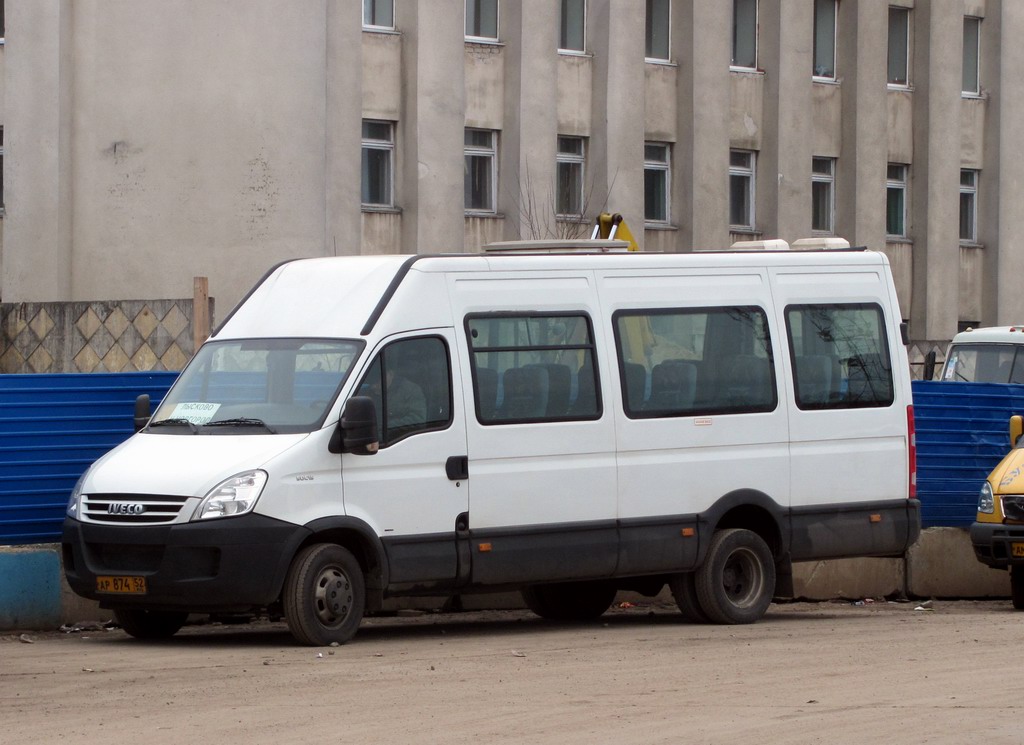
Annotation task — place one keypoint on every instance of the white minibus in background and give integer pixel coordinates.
(986, 355)
(567, 424)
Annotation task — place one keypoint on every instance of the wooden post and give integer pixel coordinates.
(200, 311)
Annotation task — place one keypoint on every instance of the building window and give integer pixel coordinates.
(379, 14)
(378, 164)
(968, 206)
(899, 46)
(481, 169)
(659, 21)
(972, 47)
(741, 189)
(825, 39)
(482, 19)
(569, 170)
(744, 34)
(573, 33)
(896, 201)
(657, 181)
(823, 194)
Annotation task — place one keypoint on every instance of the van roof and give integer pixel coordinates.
(344, 296)
(991, 335)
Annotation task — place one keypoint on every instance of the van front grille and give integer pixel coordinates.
(1013, 508)
(132, 509)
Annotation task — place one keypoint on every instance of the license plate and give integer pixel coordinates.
(1017, 550)
(121, 585)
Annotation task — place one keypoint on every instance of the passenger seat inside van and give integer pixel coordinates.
(525, 393)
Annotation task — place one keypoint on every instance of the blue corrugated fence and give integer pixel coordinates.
(962, 434)
(51, 428)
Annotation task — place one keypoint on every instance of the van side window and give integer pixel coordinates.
(695, 361)
(840, 356)
(533, 368)
(410, 383)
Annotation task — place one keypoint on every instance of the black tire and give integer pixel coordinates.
(736, 583)
(324, 595)
(149, 624)
(684, 590)
(1017, 587)
(570, 601)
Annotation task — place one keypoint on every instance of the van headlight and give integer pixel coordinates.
(234, 496)
(986, 501)
(75, 500)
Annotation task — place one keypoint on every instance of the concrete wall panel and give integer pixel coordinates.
(971, 272)
(746, 107)
(661, 240)
(827, 119)
(972, 132)
(382, 234)
(574, 98)
(382, 64)
(484, 86)
(480, 231)
(161, 164)
(942, 564)
(900, 127)
(660, 102)
(901, 261)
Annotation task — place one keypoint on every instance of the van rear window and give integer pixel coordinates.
(840, 356)
(533, 368)
(695, 361)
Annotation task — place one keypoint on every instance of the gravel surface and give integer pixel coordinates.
(807, 673)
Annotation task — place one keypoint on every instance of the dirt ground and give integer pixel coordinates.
(807, 673)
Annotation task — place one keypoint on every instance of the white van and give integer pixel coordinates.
(993, 354)
(569, 425)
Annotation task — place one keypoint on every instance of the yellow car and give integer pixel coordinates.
(998, 532)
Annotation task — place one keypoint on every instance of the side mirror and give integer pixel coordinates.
(1016, 429)
(357, 429)
(929, 366)
(142, 411)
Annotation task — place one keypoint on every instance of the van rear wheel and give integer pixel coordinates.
(570, 601)
(684, 590)
(1017, 587)
(324, 595)
(149, 624)
(737, 580)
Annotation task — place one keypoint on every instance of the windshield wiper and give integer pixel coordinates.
(241, 421)
(176, 422)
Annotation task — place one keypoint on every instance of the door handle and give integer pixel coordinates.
(457, 468)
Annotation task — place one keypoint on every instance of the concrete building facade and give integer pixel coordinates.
(149, 142)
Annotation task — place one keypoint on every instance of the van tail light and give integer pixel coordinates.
(911, 453)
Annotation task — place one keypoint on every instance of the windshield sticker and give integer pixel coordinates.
(194, 412)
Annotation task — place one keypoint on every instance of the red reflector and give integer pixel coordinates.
(911, 454)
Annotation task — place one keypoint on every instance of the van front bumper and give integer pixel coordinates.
(222, 565)
(994, 543)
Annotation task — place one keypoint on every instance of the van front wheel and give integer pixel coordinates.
(737, 580)
(324, 595)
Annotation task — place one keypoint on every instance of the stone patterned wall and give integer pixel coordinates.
(917, 351)
(112, 336)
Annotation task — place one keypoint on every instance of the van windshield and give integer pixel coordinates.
(985, 363)
(257, 386)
